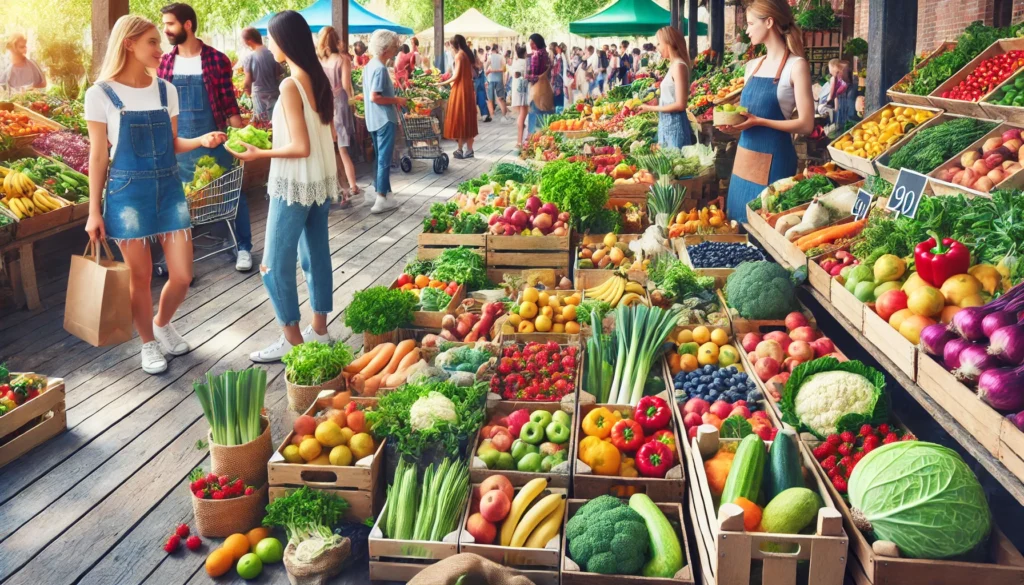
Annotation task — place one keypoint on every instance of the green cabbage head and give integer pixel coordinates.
(921, 496)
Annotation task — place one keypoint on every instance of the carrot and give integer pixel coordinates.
(399, 377)
(829, 235)
(379, 361)
(403, 349)
(362, 361)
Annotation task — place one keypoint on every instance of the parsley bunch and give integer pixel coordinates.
(313, 363)
(461, 265)
(380, 309)
(307, 514)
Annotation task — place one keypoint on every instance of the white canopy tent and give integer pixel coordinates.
(472, 24)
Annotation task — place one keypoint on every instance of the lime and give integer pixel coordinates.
(249, 566)
(269, 550)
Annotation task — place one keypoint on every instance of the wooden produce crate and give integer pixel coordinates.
(43, 221)
(561, 338)
(432, 319)
(965, 108)
(817, 278)
(867, 568)
(1011, 447)
(741, 325)
(728, 552)
(866, 166)
(401, 560)
(896, 347)
(895, 94)
(961, 402)
(24, 141)
(47, 408)
(361, 483)
(587, 486)
(478, 471)
(630, 192)
(848, 305)
(593, 276)
(782, 249)
(590, 278)
(572, 574)
(512, 253)
(719, 274)
(882, 167)
(430, 246)
(940, 187)
(8, 231)
(1011, 114)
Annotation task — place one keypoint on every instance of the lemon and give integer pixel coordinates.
(291, 454)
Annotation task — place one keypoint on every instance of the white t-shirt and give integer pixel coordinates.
(785, 91)
(99, 108)
(188, 65)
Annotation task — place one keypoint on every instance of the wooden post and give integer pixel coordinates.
(104, 14)
(892, 30)
(691, 17)
(675, 20)
(339, 19)
(716, 27)
(439, 33)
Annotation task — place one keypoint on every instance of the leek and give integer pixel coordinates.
(640, 332)
(600, 356)
(427, 510)
(232, 404)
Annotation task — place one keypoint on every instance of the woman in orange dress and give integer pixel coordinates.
(460, 121)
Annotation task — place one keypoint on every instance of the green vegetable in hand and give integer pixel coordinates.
(826, 396)
(313, 363)
(608, 537)
(249, 135)
(761, 290)
(308, 518)
(380, 309)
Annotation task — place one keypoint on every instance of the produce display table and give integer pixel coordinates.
(23, 270)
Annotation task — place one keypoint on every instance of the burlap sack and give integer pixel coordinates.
(248, 461)
(301, 397)
(221, 518)
(371, 341)
(477, 570)
(321, 570)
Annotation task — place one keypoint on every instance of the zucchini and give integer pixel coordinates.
(666, 553)
(784, 469)
(746, 472)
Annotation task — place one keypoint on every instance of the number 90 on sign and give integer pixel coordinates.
(906, 193)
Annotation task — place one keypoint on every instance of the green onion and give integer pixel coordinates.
(640, 331)
(232, 404)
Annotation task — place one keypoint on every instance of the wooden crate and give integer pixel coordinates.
(965, 108)
(594, 276)
(866, 166)
(980, 419)
(817, 278)
(572, 574)
(8, 231)
(591, 278)
(867, 568)
(24, 141)
(719, 274)
(430, 246)
(1011, 447)
(894, 92)
(741, 325)
(848, 305)
(630, 192)
(44, 221)
(882, 162)
(896, 347)
(587, 486)
(732, 551)
(557, 479)
(48, 407)
(940, 187)
(432, 319)
(1012, 114)
(513, 253)
(401, 560)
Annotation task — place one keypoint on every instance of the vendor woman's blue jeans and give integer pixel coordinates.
(297, 231)
(384, 148)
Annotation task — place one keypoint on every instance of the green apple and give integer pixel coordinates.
(547, 463)
(521, 448)
(541, 417)
(505, 461)
(562, 417)
(532, 432)
(489, 456)
(557, 432)
(530, 462)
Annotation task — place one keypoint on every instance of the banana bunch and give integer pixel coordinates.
(39, 202)
(4, 171)
(533, 527)
(618, 289)
(18, 185)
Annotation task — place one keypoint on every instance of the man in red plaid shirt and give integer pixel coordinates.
(206, 100)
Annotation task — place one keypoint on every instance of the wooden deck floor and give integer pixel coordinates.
(95, 504)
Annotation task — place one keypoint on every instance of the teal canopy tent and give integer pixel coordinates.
(360, 20)
(641, 18)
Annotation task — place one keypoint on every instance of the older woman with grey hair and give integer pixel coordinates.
(382, 113)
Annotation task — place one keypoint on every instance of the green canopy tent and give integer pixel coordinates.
(641, 18)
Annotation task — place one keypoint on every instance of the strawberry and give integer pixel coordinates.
(249, 491)
(223, 480)
(834, 440)
(199, 484)
(217, 495)
(821, 451)
(840, 484)
(858, 456)
(869, 447)
(172, 543)
(199, 494)
(847, 437)
(847, 462)
(908, 437)
(845, 449)
(193, 542)
(866, 430)
(890, 438)
(829, 463)
(211, 478)
(883, 429)
(182, 531)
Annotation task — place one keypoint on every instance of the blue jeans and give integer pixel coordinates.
(384, 147)
(243, 228)
(533, 118)
(297, 230)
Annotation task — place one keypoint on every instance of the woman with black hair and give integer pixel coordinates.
(303, 181)
(538, 74)
(460, 121)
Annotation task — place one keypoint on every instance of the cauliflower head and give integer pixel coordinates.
(826, 396)
(431, 408)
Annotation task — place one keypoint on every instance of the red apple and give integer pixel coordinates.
(769, 348)
(759, 414)
(691, 432)
(696, 405)
(502, 440)
(691, 419)
(482, 531)
(781, 337)
(766, 367)
(801, 350)
(781, 378)
(710, 419)
(740, 410)
(494, 505)
(805, 333)
(721, 409)
(823, 347)
(750, 341)
(790, 364)
(499, 483)
(795, 319)
(889, 302)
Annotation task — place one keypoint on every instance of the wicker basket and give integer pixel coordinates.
(371, 341)
(221, 518)
(301, 397)
(248, 461)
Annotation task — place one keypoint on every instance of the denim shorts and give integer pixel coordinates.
(495, 90)
(143, 204)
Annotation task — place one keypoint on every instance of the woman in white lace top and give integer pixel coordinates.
(303, 181)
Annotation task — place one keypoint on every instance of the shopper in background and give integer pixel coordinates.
(403, 66)
(495, 70)
(202, 76)
(838, 96)
(538, 73)
(362, 57)
(557, 81)
(602, 70)
(381, 107)
(776, 85)
(636, 61)
(520, 91)
(337, 64)
(625, 64)
(137, 114)
(612, 78)
(22, 73)
(480, 84)
(584, 78)
(262, 75)
(673, 126)
(460, 121)
(449, 57)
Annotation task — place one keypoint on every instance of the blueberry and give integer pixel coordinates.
(702, 388)
(742, 375)
(713, 395)
(709, 368)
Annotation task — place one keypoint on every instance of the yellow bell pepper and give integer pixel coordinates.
(627, 468)
(598, 422)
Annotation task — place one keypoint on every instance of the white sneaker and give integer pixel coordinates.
(272, 353)
(170, 340)
(383, 204)
(153, 361)
(244, 262)
(309, 335)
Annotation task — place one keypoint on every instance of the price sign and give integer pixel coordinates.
(861, 205)
(906, 193)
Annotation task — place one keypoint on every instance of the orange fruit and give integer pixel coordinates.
(221, 560)
(256, 535)
(688, 362)
(238, 545)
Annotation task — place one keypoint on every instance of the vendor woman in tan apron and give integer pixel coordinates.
(776, 85)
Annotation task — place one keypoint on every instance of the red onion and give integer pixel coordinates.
(1017, 420)
(967, 323)
(973, 361)
(1005, 345)
(998, 320)
(951, 353)
(1002, 388)
(935, 337)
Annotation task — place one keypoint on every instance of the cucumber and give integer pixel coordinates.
(791, 511)
(747, 469)
(666, 553)
(784, 470)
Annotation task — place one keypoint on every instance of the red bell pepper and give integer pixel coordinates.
(627, 435)
(653, 459)
(669, 438)
(653, 414)
(936, 262)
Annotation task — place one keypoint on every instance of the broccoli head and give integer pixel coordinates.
(761, 290)
(608, 537)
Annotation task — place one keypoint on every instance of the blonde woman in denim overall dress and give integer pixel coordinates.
(145, 200)
(765, 153)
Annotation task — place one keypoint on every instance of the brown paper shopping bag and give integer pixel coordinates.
(98, 309)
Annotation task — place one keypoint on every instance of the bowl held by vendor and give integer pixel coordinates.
(776, 85)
